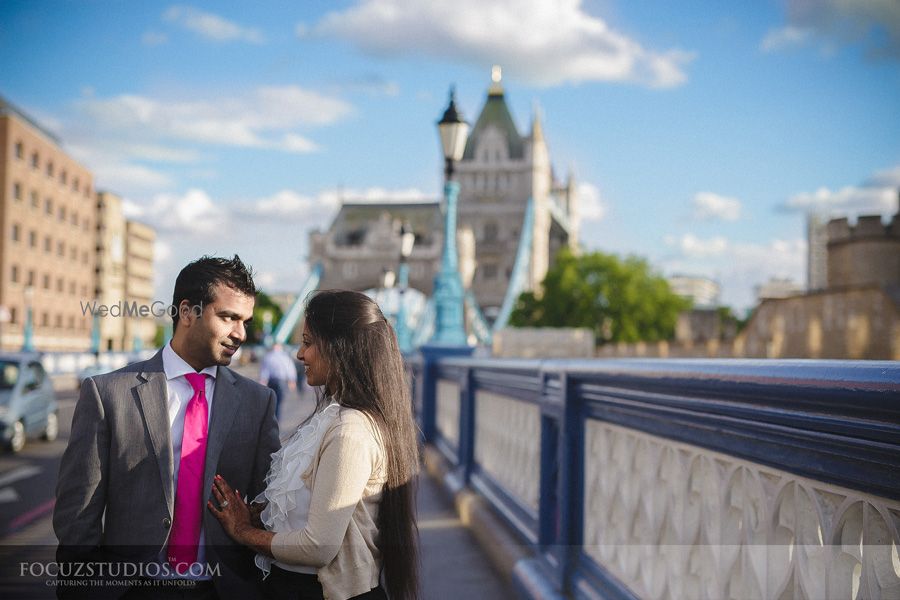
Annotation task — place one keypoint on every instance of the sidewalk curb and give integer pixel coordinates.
(509, 556)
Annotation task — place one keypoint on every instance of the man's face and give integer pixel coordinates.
(216, 334)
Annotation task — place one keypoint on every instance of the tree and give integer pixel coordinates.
(263, 304)
(622, 300)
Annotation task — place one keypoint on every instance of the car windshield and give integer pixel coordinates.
(9, 373)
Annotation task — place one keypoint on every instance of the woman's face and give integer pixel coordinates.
(313, 363)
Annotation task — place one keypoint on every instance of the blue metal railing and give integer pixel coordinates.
(834, 422)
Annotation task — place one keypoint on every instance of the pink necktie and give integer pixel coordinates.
(189, 493)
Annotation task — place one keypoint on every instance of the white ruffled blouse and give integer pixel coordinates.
(286, 492)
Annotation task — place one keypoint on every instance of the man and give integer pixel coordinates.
(145, 444)
(278, 371)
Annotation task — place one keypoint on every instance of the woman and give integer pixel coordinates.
(340, 498)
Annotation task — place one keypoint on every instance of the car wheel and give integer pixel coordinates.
(17, 441)
(51, 430)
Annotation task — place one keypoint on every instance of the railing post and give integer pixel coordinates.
(466, 425)
(431, 355)
(571, 483)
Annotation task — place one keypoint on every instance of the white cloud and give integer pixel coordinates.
(212, 26)
(690, 246)
(193, 213)
(737, 266)
(154, 38)
(270, 233)
(874, 23)
(591, 206)
(708, 206)
(784, 37)
(877, 195)
(162, 251)
(544, 43)
(112, 169)
(244, 121)
(120, 138)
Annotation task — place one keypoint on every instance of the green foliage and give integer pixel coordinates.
(622, 300)
(159, 336)
(255, 327)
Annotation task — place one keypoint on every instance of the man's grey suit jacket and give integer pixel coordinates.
(115, 495)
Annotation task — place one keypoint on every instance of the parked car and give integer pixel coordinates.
(28, 405)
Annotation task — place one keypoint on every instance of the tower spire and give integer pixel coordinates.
(496, 88)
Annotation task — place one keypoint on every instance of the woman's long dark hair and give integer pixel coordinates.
(365, 372)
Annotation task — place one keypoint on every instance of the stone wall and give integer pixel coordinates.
(861, 323)
(543, 342)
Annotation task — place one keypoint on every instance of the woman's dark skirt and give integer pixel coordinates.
(288, 585)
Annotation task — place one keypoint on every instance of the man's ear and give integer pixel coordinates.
(187, 314)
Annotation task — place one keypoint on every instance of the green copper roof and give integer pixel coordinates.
(496, 113)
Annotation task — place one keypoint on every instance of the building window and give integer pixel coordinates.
(489, 271)
(63, 177)
(34, 199)
(60, 285)
(15, 232)
(35, 160)
(490, 232)
(20, 150)
(75, 219)
(32, 239)
(45, 319)
(58, 321)
(61, 248)
(46, 282)
(13, 315)
(17, 190)
(30, 280)
(49, 169)
(71, 322)
(62, 213)
(75, 184)
(48, 206)
(48, 244)
(14, 274)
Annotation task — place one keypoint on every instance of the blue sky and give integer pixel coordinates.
(699, 132)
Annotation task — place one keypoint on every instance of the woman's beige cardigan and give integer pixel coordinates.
(345, 481)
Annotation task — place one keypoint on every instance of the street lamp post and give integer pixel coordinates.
(28, 330)
(404, 334)
(449, 326)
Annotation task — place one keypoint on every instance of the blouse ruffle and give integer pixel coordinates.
(284, 481)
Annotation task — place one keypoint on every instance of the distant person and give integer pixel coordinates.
(146, 441)
(338, 517)
(278, 371)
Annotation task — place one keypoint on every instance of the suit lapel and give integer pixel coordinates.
(152, 396)
(224, 408)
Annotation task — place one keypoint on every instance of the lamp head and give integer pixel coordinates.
(453, 130)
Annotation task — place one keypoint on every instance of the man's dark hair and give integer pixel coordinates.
(196, 281)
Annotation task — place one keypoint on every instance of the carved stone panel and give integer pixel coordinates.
(447, 410)
(671, 520)
(508, 444)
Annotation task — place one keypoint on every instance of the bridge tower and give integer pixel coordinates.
(500, 170)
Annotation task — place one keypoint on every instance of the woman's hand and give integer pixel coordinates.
(236, 517)
(256, 509)
(230, 509)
